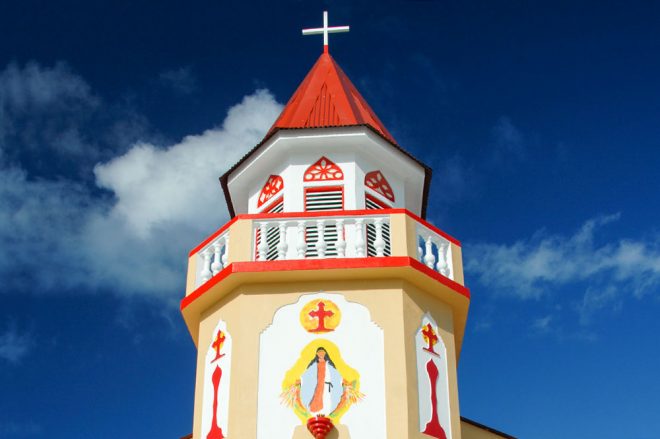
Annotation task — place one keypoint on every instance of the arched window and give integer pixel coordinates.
(376, 181)
(272, 187)
(323, 170)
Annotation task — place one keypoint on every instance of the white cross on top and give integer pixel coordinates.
(325, 30)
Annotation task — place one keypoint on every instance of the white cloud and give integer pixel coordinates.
(542, 324)
(23, 89)
(52, 123)
(181, 80)
(509, 143)
(56, 234)
(537, 266)
(14, 346)
(179, 184)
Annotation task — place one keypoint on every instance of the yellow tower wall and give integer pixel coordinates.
(396, 306)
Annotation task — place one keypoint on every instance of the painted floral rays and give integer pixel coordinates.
(323, 170)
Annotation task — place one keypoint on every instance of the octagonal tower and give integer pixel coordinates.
(327, 306)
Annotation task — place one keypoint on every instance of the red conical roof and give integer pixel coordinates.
(327, 98)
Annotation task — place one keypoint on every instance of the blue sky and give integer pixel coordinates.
(539, 119)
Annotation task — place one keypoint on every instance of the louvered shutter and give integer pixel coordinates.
(272, 233)
(372, 204)
(320, 199)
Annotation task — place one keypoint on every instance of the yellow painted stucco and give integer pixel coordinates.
(397, 298)
(396, 306)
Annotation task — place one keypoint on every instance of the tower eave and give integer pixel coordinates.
(224, 179)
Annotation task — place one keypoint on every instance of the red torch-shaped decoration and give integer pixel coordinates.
(319, 426)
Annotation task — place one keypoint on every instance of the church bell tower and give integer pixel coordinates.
(327, 307)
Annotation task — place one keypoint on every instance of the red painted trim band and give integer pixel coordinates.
(322, 264)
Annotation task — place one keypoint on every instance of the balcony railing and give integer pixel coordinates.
(212, 258)
(321, 238)
(323, 235)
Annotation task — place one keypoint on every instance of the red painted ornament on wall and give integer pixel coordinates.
(433, 427)
(377, 181)
(432, 381)
(430, 337)
(324, 170)
(273, 186)
(217, 374)
(216, 431)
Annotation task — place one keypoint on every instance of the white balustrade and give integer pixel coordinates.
(340, 245)
(282, 245)
(379, 242)
(434, 251)
(322, 238)
(318, 238)
(359, 238)
(321, 246)
(212, 258)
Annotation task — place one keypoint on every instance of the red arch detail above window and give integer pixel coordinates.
(323, 170)
(273, 185)
(377, 181)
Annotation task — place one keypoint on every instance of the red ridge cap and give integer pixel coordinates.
(327, 98)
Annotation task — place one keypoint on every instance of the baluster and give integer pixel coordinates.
(341, 243)
(320, 244)
(429, 258)
(301, 245)
(216, 266)
(379, 242)
(225, 256)
(420, 250)
(282, 246)
(206, 268)
(263, 242)
(359, 238)
(442, 265)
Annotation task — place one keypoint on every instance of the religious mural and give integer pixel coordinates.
(432, 380)
(217, 370)
(330, 366)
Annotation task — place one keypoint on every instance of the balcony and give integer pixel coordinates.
(345, 235)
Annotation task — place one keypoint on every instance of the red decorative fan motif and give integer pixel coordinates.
(273, 185)
(377, 181)
(323, 169)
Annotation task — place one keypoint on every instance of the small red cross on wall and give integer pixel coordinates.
(320, 313)
(217, 345)
(431, 338)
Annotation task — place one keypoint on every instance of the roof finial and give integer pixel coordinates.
(325, 30)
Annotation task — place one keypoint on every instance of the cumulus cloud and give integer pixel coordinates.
(14, 346)
(179, 184)
(53, 124)
(129, 229)
(532, 268)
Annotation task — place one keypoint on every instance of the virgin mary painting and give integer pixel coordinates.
(321, 383)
